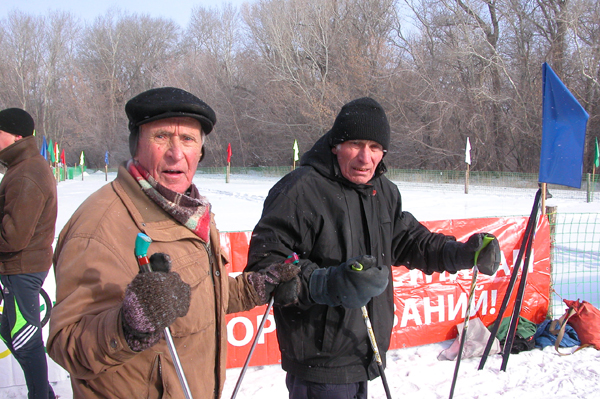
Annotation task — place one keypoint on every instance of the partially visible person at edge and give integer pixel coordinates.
(28, 210)
(107, 325)
(344, 219)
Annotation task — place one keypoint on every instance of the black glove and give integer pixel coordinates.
(152, 302)
(279, 277)
(351, 284)
(458, 255)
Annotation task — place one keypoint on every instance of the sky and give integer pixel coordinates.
(177, 10)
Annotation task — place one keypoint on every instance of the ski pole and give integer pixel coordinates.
(514, 320)
(527, 235)
(142, 242)
(376, 351)
(486, 241)
(374, 346)
(293, 258)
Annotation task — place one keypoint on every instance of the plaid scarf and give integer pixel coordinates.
(192, 210)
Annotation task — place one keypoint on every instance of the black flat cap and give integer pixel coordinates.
(16, 121)
(168, 102)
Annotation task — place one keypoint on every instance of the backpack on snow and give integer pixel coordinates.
(584, 318)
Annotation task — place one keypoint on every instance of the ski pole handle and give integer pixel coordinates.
(293, 258)
(357, 267)
(142, 242)
(486, 240)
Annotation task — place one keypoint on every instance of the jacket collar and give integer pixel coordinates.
(19, 151)
(148, 209)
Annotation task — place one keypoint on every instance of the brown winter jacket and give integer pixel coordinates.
(94, 261)
(27, 210)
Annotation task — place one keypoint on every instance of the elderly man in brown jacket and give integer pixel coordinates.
(106, 327)
(27, 220)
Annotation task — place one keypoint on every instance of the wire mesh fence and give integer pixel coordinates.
(447, 180)
(575, 259)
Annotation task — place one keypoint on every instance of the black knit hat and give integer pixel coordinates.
(16, 121)
(166, 102)
(361, 119)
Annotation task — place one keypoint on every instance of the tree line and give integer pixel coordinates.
(276, 71)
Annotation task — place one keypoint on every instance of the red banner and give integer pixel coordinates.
(427, 308)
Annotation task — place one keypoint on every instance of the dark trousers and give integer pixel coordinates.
(300, 389)
(21, 331)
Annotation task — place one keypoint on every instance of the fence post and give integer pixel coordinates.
(551, 212)
(589, 188)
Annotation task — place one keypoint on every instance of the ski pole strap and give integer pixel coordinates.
(561, 331)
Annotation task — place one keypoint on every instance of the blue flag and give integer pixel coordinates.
(563, 133)
(44, 150)
(106, 158)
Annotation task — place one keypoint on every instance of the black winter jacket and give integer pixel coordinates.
(315, 212)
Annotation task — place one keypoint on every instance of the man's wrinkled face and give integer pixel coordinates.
(170, 149)
(358, 159)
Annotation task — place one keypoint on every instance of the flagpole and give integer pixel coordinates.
(596, 160)
(543, 199)
(467, 179)
(81, 163)
(593, 180)
(468, 162)
(228, 168)
(296, 154)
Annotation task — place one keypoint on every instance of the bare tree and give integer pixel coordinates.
(39, 59)
(121, 55)
(279, 70)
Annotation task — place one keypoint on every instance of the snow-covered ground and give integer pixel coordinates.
(412, 372)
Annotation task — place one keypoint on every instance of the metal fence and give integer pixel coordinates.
(575, 258)
(443, 179)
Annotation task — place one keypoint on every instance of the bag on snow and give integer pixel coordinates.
(585, 319)
(475, 342)
(524, 335)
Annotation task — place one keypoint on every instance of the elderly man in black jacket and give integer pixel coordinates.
(344, 219)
